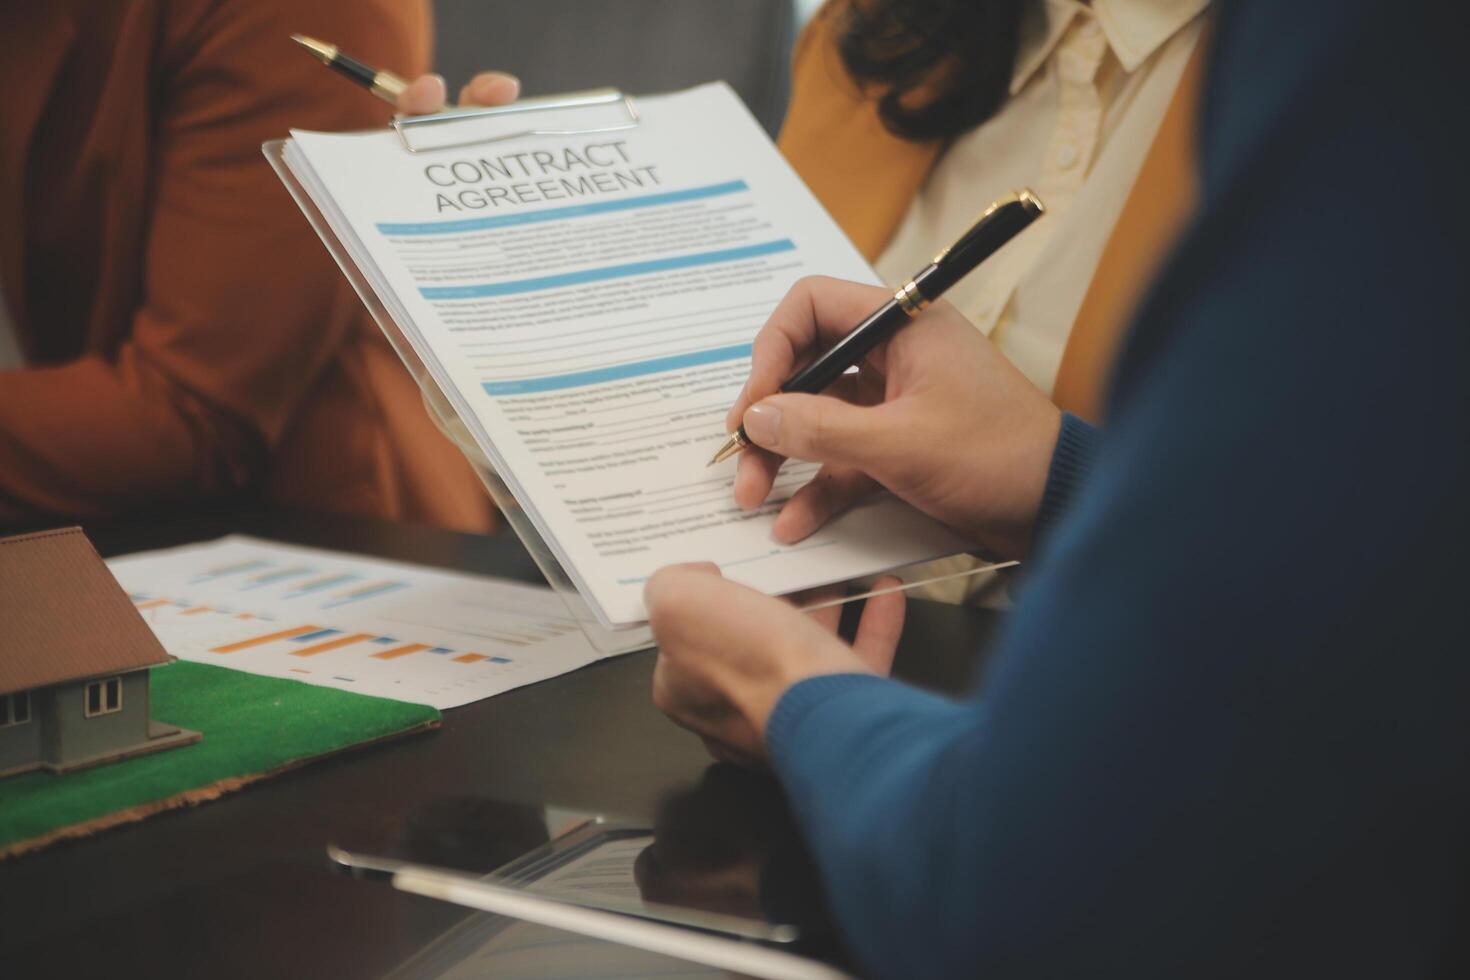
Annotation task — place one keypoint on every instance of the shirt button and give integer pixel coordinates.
(1066, 155)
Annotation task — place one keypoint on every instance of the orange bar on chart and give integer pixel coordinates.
(402, 651)
(340, 641)
(469, 658)
(154, 603)
(262, 640)
(195, 611)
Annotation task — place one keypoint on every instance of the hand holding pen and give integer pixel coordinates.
(425, 94)
(1001, 222)
(935, 415)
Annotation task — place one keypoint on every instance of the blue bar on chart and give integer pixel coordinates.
(318, 635)
(271, 577)
(223, 570)
(318, 584)
(365, 592)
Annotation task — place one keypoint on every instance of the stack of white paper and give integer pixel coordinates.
(586, 304)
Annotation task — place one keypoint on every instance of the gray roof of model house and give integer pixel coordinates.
(63, 616)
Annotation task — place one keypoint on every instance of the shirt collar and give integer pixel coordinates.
(1134, 29)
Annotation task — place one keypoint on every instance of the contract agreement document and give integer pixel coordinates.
(585, 305)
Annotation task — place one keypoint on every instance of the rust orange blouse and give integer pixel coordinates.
(185, 332)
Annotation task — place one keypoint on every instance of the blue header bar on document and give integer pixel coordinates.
(583, 276)
(616, 372)
(558, 214)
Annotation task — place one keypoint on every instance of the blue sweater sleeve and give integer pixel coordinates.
(1071, 463)
(1224, 733)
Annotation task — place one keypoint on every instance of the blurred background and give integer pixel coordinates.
(640, 46)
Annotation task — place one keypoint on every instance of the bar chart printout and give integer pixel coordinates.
(375, 627)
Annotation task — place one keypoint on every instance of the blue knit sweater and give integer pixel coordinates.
(1227, 729)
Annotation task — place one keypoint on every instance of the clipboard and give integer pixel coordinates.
(621, 114)
(582, 113)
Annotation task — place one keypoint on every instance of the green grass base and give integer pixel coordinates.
(251, 725)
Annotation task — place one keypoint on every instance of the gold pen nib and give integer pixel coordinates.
(733, 445)
(323, 51)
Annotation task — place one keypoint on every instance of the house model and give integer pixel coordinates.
(74, 660)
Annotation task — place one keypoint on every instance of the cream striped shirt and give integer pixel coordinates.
(1091, 86)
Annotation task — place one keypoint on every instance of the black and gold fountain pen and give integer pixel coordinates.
(384, 84)
(1002, 221)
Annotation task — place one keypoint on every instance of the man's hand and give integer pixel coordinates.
(936, 415)
(428, 93)
(727, 653)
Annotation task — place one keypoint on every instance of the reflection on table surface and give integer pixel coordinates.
(726, 845)
(241, 887)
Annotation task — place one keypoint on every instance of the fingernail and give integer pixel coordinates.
(512, 81)
(763, 425)
(789, 529)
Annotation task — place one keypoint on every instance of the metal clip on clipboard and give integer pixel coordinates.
(604, 110)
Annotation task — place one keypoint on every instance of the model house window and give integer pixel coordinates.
(15, 709)
(103, 697)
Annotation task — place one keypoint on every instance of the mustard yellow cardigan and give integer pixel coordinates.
(867, 178)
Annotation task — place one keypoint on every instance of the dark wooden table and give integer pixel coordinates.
(240, 887)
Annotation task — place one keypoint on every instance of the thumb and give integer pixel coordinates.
(821, 428)
(424, 95)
